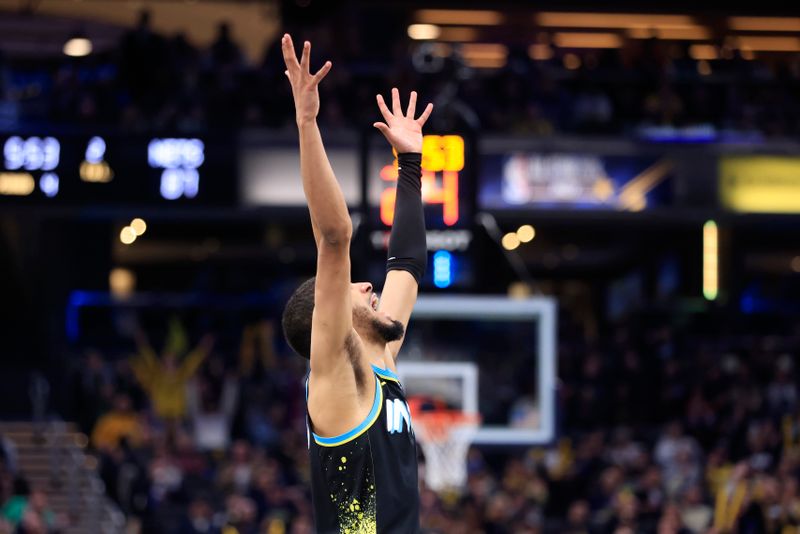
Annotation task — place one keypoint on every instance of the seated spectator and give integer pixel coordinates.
(199, 518)
(236, 473)
(31, 513)
(695, 513)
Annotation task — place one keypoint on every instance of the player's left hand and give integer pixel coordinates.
(404, 132)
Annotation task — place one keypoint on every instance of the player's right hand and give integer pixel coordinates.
(304, 84)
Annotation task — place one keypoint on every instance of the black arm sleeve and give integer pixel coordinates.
(407, 247)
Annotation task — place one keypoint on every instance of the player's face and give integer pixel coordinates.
(367, 315)
(364, 297)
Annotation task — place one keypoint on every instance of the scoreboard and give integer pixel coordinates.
(112, 170)
(116, 170)
(442, 159)
(448, 203)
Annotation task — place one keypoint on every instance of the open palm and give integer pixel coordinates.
(304, 84)
(404, 132)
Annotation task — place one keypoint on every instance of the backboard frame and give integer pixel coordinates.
(541, 311)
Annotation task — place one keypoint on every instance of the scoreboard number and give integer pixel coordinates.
(442, 159)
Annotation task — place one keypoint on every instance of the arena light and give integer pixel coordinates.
(78, 46)
(122, 282)
(139, 226)
(19, 184)
(442, 269)
(690, 33)
(484, 55)
(587, 40)
(765, 24)
(485, 63)
(441, 49)
(127, 235)
(472, 17)
(613, 20)
(769, 44)
(710, 260)
(510, 241)
(572, 62)
(703, 51)
(526, 233)
(424, 32)
(540, 52)
(458, 34)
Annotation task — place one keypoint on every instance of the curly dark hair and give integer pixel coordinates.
(296, 319)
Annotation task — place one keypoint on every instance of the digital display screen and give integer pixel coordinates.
(270, 174)
(543, 180)
(116, 170)
(445, 183)
(760, 183)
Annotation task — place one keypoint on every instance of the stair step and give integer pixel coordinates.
(29, 426)
(46, 481)
(30, 439)
(55, 459)
(88, 467)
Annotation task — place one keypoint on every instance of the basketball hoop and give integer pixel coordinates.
(445, 436)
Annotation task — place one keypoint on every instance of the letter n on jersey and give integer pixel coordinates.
(397, 413)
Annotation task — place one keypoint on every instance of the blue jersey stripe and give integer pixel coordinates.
(360, 429)
(385, 373)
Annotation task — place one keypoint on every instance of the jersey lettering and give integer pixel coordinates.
(397, 412)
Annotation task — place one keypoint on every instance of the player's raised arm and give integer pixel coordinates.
(332, 318)
(407, 256)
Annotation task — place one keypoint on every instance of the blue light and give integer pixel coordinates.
(179, 182)
(180, 159)
(95, 150)
(175, 153)
(32, 154)
(48, 183)
(442, 269)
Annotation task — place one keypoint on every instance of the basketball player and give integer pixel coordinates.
(363, 452)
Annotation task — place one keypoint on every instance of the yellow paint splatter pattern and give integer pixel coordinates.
(357, 514)
(357, 517)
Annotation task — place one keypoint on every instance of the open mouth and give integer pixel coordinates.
(373, 301)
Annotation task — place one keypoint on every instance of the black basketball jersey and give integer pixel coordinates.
(365, 480)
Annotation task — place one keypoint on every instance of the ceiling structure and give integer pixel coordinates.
(40, 27)
(31, 26)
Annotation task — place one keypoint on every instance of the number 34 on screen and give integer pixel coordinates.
(442, 159)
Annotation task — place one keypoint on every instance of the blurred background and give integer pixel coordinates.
(637, 163)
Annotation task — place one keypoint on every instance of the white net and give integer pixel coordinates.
(445, 439)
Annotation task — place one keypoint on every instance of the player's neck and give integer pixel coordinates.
(374, 350)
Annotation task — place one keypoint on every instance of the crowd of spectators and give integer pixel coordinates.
(663, 430)
(25, 508)
(193, 441)
(152, 81)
